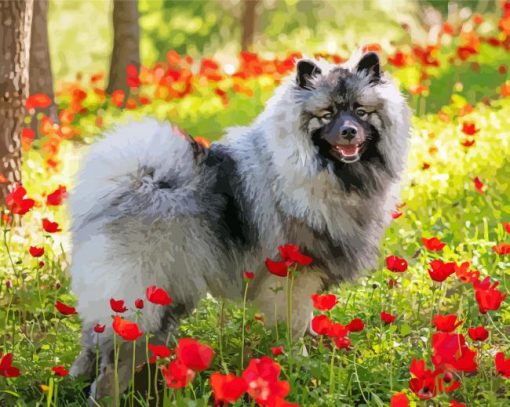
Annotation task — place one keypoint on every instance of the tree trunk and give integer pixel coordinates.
(15, 26)
(41, 79)
(249, 23)
(126, 43)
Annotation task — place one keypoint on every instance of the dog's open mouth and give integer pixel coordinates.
(349, 153)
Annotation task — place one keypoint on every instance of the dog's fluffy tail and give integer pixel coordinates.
(146, 169)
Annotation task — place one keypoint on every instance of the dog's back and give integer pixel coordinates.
(137, 213)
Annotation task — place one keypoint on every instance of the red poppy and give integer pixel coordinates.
(373, 47)
(177, 375)
(193, 354)
(277, 350)
(36, 251)
(356, 325)
(502, 249)
(447, 28)
(15, 201)
(249, 275)
(451, 353)
(392, 283)
(158, 295)
(59, 370)
(342, 342)
(469, 128)
(50, 227)
(117, 305)
(263, 384)
(440, 271)
(446, 323)
(463, 274)
(502, 365)
(399, 400)
(479, 185)
(321, 324)
(6, 367)
(290, 252)
(324, 302)
(478, 333)
(57, 197)
(127, 330)
(38, 100)
(99, 329)
(506, 225)
(278, 268)
(132, 78)
(387, 318)
(396, 264)
(433, 244)
(454, 403)
(468, 143)
(65, 309)
(139, 303)
(489, 298)
(227, 388)
(396, 214)
(477, 19)
(484, 284)
(27, 136)
(159, 352)
(336, 330)
(173, 57)
(399, 59)
(423, 384)
(118, 98)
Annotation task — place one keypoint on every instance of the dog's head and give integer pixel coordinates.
(353, 114)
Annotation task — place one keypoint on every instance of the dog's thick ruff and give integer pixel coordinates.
(153, 207)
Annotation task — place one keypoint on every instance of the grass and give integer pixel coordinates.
(439, 199)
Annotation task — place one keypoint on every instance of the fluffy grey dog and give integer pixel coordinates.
(319, 168)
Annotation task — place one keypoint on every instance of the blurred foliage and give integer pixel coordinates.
(80, 35)
(81, 31)
(479, 6)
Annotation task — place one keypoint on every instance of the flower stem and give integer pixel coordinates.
(244, 322)
(156, 390)
(276, 320)
(97, 359)
(290, 283)
(148, 368)
(331, 368)
(220, 338)
(116, 372)
(133, 375)
(16, 273)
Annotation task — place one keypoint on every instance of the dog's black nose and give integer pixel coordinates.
(348, 132)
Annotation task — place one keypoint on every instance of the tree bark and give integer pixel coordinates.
(15, 27)
(126, 44)
(249, 20)
(41, 79)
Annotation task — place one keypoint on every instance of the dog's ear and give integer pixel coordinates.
(371, 66)
(306, 70)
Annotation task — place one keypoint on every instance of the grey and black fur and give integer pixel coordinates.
(320, 168)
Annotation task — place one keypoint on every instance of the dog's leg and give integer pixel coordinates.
(270, 296)
(103, 389)
(84, 364)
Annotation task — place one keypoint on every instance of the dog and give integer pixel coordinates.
(320, 167)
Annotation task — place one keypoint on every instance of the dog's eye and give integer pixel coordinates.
(361, 112)
(326, 116)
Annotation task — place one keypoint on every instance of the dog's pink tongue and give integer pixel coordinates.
(348, 150)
